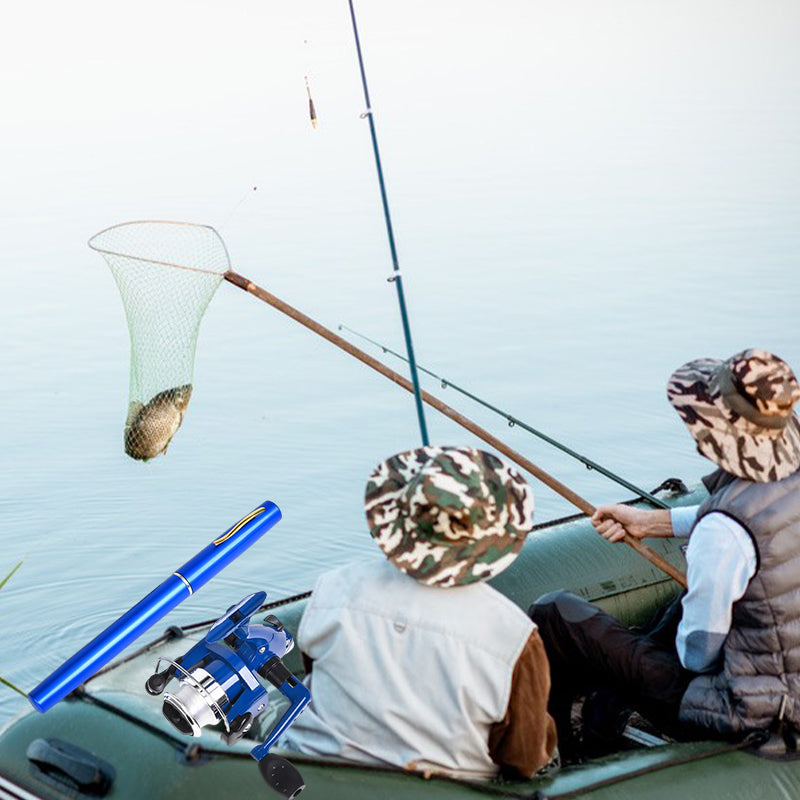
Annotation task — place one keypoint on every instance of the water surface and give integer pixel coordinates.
(585, 196)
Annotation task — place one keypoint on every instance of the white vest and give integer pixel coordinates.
(405, 674)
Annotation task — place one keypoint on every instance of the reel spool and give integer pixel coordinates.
(218, 683)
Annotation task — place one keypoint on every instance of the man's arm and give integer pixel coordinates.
(613, 522)
(721, 560)
(524, 740)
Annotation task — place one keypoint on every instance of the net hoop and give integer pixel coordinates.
(106, 252)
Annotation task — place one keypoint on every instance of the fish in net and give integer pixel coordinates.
(167, 273)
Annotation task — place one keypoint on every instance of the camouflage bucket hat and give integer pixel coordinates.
(448, 516)
(739, 412)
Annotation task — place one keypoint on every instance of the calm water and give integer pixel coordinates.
(584, 195)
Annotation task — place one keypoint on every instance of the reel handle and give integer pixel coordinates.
(281, 775)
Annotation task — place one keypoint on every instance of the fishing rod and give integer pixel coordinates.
(204, 258)
(573, 497)
(396, 277)
(514, 421)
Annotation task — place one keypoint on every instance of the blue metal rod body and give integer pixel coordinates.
(397, 278)
(174, 590)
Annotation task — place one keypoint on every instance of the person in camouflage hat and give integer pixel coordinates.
(448, 516)
(417, 661)
(724, 661)
(739, 412)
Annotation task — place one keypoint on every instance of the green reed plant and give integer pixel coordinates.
(3, 680)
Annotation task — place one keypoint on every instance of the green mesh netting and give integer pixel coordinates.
(167, 273)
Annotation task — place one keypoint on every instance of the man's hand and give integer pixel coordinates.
(613, 522)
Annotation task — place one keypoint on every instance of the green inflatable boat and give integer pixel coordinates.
(110, 740)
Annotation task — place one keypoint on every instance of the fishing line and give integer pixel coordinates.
(513, 421)
(233, 211)
(396, 277)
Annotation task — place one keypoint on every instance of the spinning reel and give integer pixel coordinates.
(218, 683)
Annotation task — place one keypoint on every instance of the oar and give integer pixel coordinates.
(512, 421)
(556, 485)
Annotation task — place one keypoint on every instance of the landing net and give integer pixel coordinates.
(167, 273)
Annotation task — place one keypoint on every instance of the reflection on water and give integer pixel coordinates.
(571, 228)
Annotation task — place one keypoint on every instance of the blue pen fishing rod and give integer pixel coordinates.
(174, 590)
(396, 277)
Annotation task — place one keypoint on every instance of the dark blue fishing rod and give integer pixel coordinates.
(512, 421)
(396, 276)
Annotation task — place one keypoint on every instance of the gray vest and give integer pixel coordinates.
(759, 675)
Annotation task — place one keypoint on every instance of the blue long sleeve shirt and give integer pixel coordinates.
(721, 560)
